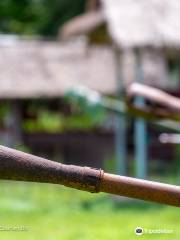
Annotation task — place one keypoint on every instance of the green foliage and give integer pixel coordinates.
(22, 148)
(87, 112)
(110, 164)
(88, 117)
(4, 108)
(46, 121)
(176, 164)
(37, 16)
(53, 122)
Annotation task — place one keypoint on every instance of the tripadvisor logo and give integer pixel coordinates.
(138, 231)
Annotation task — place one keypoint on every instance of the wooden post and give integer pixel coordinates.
(13, 124)
(140, 130)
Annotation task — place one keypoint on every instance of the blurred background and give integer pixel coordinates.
(61, 61)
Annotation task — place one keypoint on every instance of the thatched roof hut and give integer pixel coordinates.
(151, 26)
(141, 23)
(132, 23)
(35, 68)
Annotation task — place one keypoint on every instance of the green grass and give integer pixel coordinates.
(54, 212)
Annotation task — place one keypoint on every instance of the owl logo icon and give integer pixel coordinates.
(138, 231)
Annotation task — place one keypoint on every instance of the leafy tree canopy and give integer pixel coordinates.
(41, 17)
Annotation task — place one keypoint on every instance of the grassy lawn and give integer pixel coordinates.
(54, 212)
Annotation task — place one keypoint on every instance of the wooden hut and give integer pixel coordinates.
(37, 70)
(151, 26)
(149, 29)
(146, 41)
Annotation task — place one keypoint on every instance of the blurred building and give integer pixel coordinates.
(149, 26)
(40, 72)
(97, 49)
(145, 39)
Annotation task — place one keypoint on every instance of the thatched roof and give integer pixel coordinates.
(144, 22)
(33, 69)
(82, 24)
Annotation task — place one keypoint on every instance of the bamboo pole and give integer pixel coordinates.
(167, 106)
(155, 95)
(20, 166)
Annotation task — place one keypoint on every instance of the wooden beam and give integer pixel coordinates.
(163, 105)
(154, 95)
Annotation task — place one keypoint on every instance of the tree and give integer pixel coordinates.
(41, 17)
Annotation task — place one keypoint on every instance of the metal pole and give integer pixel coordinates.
(120, 147)
(140, 133)
(140, 139)
(121, 123)
(19, 166)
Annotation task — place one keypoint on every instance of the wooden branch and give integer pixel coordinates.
(19, 166)
(165, 105)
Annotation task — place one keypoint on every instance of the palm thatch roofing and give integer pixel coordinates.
(34, 68)
(141, 23)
